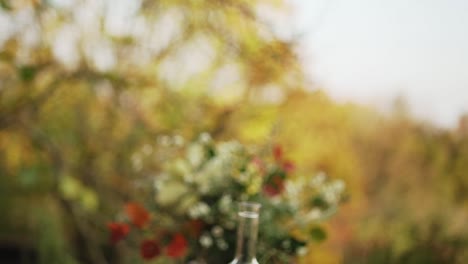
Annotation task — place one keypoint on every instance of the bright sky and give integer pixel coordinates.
(371, 51)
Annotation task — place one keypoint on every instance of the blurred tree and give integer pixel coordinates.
(87, 86)
(416, 195)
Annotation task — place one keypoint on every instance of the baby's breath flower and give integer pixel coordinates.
(205, 138)
(195, 155)
(217, 231)
(225, 203)
(318, 179)
(339, 185)
(243, 178)
(170, 191)
(188, 177)
(181, 167)
(314, 214)
(222, 244)
(302, 251)
(330, 196)
(206, 241)
(199, 210)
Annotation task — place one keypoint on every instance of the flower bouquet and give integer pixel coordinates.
(191, 216)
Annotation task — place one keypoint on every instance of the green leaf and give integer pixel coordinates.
(318, 234)
(319, 202)
(5, 5)
(27, 73)
(28, 177)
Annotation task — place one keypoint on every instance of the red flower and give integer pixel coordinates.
(288, 166)
(177, 247)
(118, 231)
(278, 152)
(149, 249)
(274, 188)
(270, 190)
(137, 214)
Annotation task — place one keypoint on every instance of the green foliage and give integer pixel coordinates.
(51, 245)
(318, 234)
(70, 122)
(5, 5)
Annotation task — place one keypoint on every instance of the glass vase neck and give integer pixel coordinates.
(247, 232)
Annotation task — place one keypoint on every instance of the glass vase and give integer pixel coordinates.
(247, 232)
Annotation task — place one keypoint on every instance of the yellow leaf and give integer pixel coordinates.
(89, 200)
(70, 187)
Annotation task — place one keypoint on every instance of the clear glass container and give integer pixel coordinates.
(247, 232)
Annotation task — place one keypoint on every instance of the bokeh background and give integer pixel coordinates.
(86, 84)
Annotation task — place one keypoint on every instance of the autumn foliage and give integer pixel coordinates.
(84, 97)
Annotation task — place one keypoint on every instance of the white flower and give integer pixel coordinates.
(302, 251)
(243, 177)
(170, 192)
(231, 153)
(330, 196)
(204, 188)
(159, 180)
(180, 167)
(225, 203)
(332, 192)
(212, 176)
(186, 202)
(217, 231)
(292, 187)
(199, 210)
(318, 179)
(188, 177)
(221, 243)
(339, 186)
(195, 155)
(205, 138)
(206, 241)
(314, 214)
